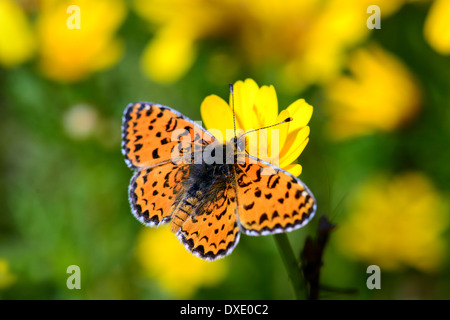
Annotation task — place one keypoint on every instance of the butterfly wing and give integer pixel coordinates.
(213, 231)
(150, 135)
(153, 134)
(270, 199)
(153, 191)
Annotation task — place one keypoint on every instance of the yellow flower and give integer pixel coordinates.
(256, 108)
(6, 277)
(70, 54)
(173, 267)
(181, 23)
(437, 26)
(396, 222)
(305, 41)
(327, 33)
(379, 95)
(167, 57)
(17, 43)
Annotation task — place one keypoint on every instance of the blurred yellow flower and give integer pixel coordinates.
(71, 54)
(379, 95)
(437, 26)
(173, 267)
(17, 43)
(168, 56)
(256, 108)
(324, 35)
(306, 40)
(6, 277)
(396, 222)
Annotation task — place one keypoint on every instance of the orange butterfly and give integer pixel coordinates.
(208, 202)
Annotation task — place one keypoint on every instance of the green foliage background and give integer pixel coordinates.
(64, 201)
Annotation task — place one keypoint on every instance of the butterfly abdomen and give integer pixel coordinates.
(184, 209)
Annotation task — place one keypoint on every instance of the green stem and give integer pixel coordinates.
(290, 262)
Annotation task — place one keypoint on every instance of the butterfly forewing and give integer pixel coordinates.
(153, 134)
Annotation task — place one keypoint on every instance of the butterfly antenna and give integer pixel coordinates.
(234, 114)
(273, 125)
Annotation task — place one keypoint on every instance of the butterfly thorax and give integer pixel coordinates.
(213, 174)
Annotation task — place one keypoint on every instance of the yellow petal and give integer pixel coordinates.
(244, 98)
(294, 169)
(290, 155)
(301, 113)
(112, 53)
(17, 43)
(184, 273)
(168, 57)
(359, 104)
(437, 27)
(216, 114)
(7, 278)
(283, 129)
(72, 54)
(268, 148)
(293, 140)
(266, 106)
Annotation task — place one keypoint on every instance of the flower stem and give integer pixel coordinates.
(290, 262)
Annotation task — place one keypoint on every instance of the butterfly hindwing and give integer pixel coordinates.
(153, 134)
(213, 232)
(153, 191)
(271, 200)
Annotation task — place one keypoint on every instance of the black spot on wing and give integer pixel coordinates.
(249, 206)
(171, 125)
(273, 181)
(263, 218)
(155, 154)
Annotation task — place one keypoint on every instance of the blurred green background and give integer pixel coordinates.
(377, 160)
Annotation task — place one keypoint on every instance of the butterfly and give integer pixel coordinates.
(209, 203)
